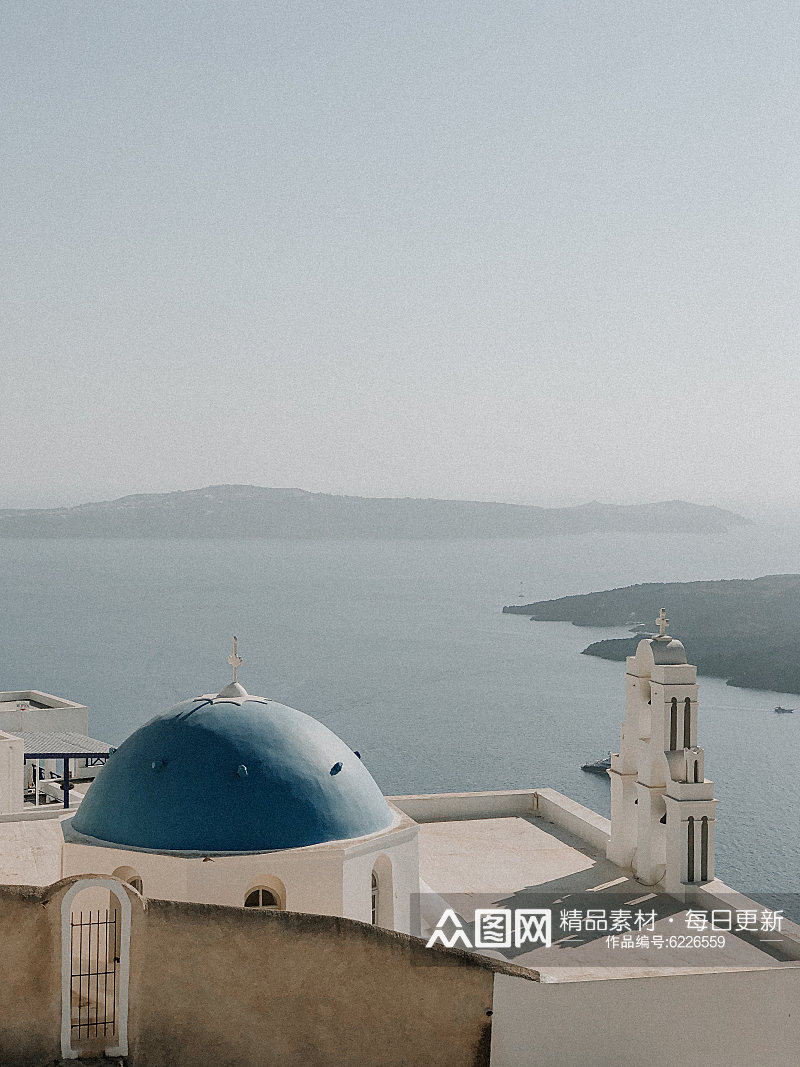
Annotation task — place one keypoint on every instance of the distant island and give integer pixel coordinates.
(231, 511)
(746, 631)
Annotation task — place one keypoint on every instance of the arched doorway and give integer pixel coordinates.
(95, 966)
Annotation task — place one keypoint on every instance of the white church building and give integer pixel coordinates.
(267, 903)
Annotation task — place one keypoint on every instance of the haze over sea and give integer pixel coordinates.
(401, 648)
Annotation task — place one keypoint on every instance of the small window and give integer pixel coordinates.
(261, 898)
(135, 883)
(375, 895)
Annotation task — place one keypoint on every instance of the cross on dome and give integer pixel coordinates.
(662, 622)
(235, 660)
(234, 690)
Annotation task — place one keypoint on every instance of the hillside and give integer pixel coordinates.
(252, 511)
(746, 631)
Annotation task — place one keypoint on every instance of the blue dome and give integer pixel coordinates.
(216, 774)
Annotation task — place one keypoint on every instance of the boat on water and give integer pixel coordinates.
(783, 711)
(599, 767)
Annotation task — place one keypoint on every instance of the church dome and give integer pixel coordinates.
(231, 773)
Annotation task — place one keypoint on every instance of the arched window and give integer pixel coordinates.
(375, 898)
(129, 875)
(261, 898)
(382, 893)
(687, 723)
(704, 849)
(690, 856)
(673, 724)
(697, 770)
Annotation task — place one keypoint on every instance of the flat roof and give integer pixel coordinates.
(30, 850)
(524, 861)
(35, 699)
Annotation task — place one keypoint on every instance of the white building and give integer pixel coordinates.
(43, 742)
(30, 711)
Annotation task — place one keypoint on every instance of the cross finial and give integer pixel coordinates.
(662, 622)
(235, 660)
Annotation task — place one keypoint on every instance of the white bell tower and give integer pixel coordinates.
(662, 806)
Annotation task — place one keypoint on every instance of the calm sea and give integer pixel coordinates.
(402, 649)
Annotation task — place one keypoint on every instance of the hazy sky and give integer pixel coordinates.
(531, 251)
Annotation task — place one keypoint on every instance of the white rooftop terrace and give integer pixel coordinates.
(537, 848)
(30, 848)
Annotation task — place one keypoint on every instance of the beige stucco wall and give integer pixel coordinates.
(30, 989)
(236, 988)
(212, 985)
(722, 1019)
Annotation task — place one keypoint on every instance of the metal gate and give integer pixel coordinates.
(95, 960)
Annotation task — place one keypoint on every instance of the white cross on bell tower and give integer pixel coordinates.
(662, 622)
(235, 660)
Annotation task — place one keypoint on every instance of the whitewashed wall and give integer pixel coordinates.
(721, 1019)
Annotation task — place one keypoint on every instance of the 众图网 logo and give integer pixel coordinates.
(496, 928)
